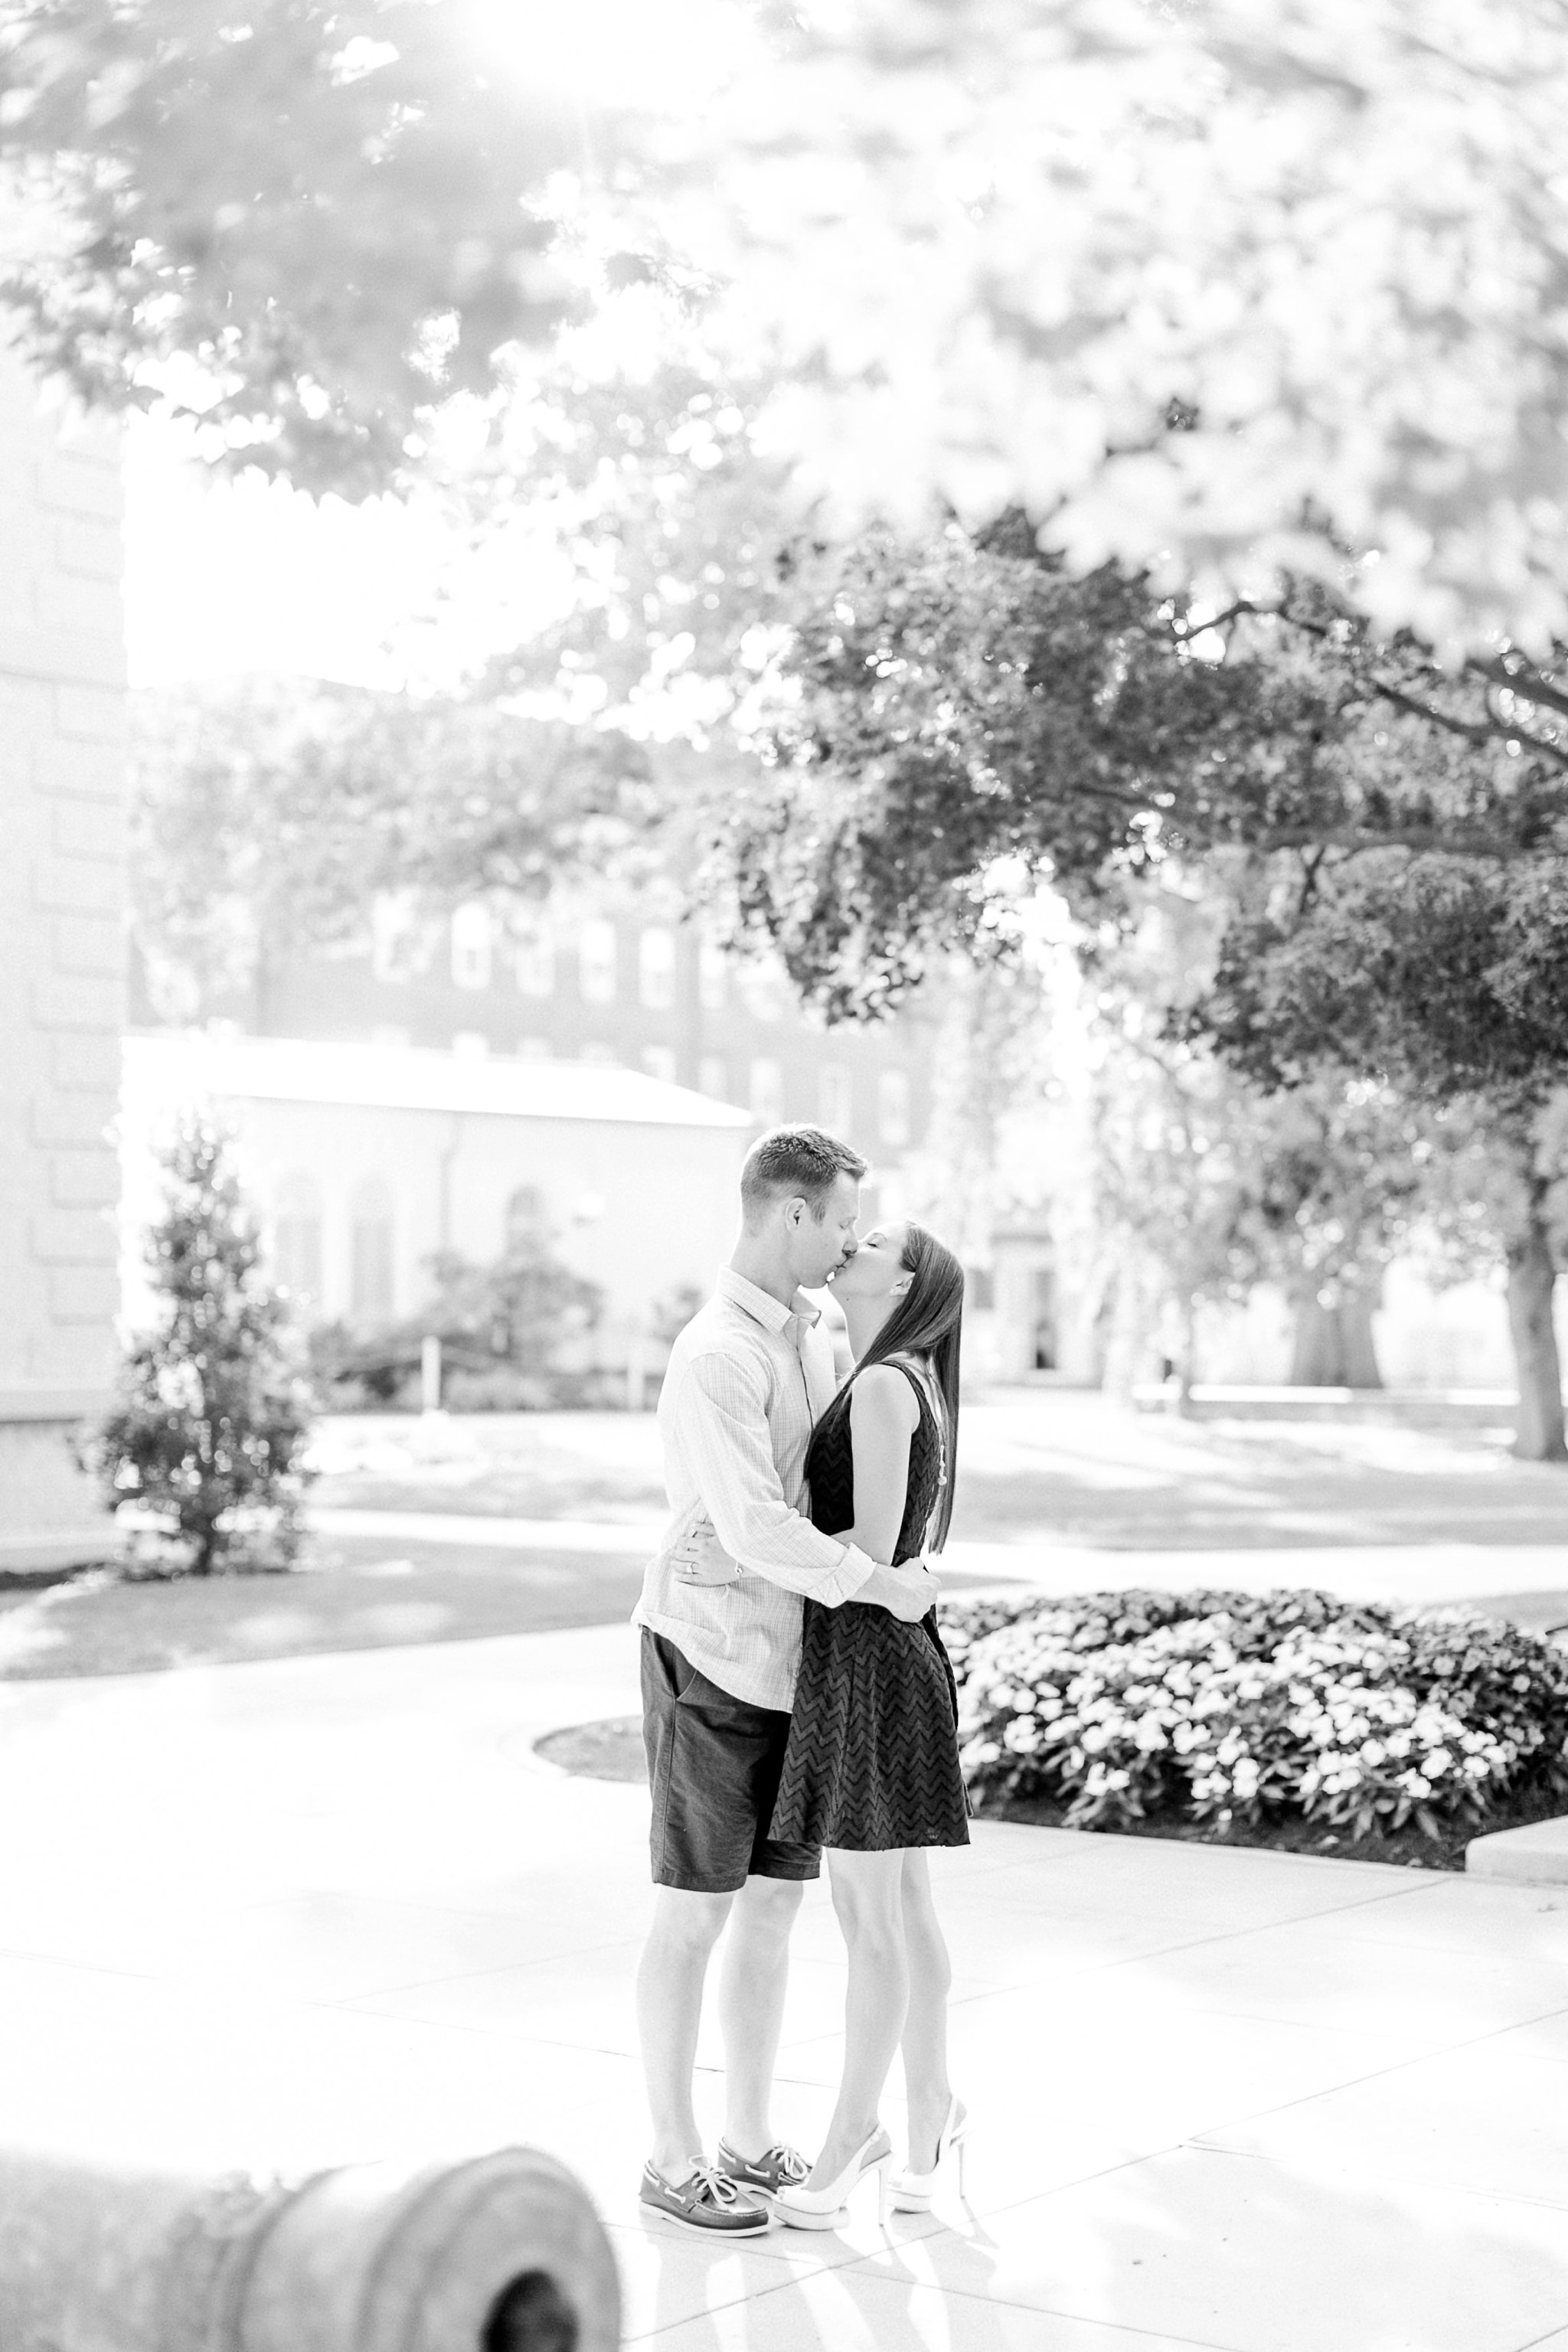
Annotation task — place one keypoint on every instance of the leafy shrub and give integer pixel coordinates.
(210, 1427)
(503, 1329)
(1228, 1705)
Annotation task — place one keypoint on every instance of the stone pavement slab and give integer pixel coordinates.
(331, 1907)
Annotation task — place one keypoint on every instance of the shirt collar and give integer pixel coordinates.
(762, 1306)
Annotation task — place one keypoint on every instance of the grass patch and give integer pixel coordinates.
(359, 1595)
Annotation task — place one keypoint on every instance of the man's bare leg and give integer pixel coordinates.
(670, 1977)
(753, 1978)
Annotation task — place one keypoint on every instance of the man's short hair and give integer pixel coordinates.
(788, 1161)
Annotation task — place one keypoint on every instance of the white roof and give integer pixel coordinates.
(193, 1063)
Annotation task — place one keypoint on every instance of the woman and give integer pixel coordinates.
(871, 1769)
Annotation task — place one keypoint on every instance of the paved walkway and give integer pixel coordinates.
(331, 1906)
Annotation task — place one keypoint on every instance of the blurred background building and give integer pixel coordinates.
(611, 981)
(364, 1163)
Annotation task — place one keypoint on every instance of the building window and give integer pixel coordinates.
(713, 1076)
(894, 1107)
(471, 1045)
(595, 1050)
(712, 975)
(388, 1034)
(533, 1049)
(370, 1251)
(471, 944)
(298, 1255)
(524, 1218)
(762, 992)
(659, 1061)
(596, 963)
(980, 1288)
(656, 970)
(533, 955)
(833, 1098)
(767, 1092)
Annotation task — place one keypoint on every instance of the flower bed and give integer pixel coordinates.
(1241, 1712)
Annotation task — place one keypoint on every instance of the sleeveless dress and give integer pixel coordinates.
(872, 1755)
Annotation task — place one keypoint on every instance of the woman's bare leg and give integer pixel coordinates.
(867, 1897)
(925, 2024)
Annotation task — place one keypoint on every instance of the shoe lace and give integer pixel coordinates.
(709, 2181)
(794, 2166)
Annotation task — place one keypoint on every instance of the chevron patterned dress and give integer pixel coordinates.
(872, 1757)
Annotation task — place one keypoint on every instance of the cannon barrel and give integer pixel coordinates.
(498, 2252)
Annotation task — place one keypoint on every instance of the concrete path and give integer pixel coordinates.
(331, 1906)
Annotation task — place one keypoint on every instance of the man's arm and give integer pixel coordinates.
(722, 1419)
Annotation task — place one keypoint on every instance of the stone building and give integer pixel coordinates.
(62, 946)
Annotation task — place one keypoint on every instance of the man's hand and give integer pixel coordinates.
(909, 1593)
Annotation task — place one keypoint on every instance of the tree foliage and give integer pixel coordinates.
(1448, 976)
(306, 222)
(1179, 283)
(210, 1427)
(955, 714)
(1183, 282)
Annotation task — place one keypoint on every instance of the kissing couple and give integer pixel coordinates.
(797, 1695)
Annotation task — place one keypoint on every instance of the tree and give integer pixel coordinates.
(944, 721)
(1342, 1186)
(977, 1162)
(1205, 1184)
(306, 223)
(949, 710)
(1451, 980)
(1178, 281)
(268, 813)
(968, 718)
(213, 1416)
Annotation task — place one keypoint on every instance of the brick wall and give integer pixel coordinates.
(61, 959)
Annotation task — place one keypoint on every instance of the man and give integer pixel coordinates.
(722, 1631)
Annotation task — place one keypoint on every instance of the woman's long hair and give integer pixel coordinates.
(928, 1321)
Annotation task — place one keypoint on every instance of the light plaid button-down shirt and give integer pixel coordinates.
(747, 1380)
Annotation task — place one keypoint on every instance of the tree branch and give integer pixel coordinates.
(1463, 843)
(1523, 679)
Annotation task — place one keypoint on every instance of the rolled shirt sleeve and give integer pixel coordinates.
(722, 1411)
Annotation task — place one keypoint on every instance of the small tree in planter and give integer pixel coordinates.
(213, 1415)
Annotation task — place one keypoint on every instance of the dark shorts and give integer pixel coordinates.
(713, 1764)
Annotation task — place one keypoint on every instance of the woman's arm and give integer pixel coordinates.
(883, 1418)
